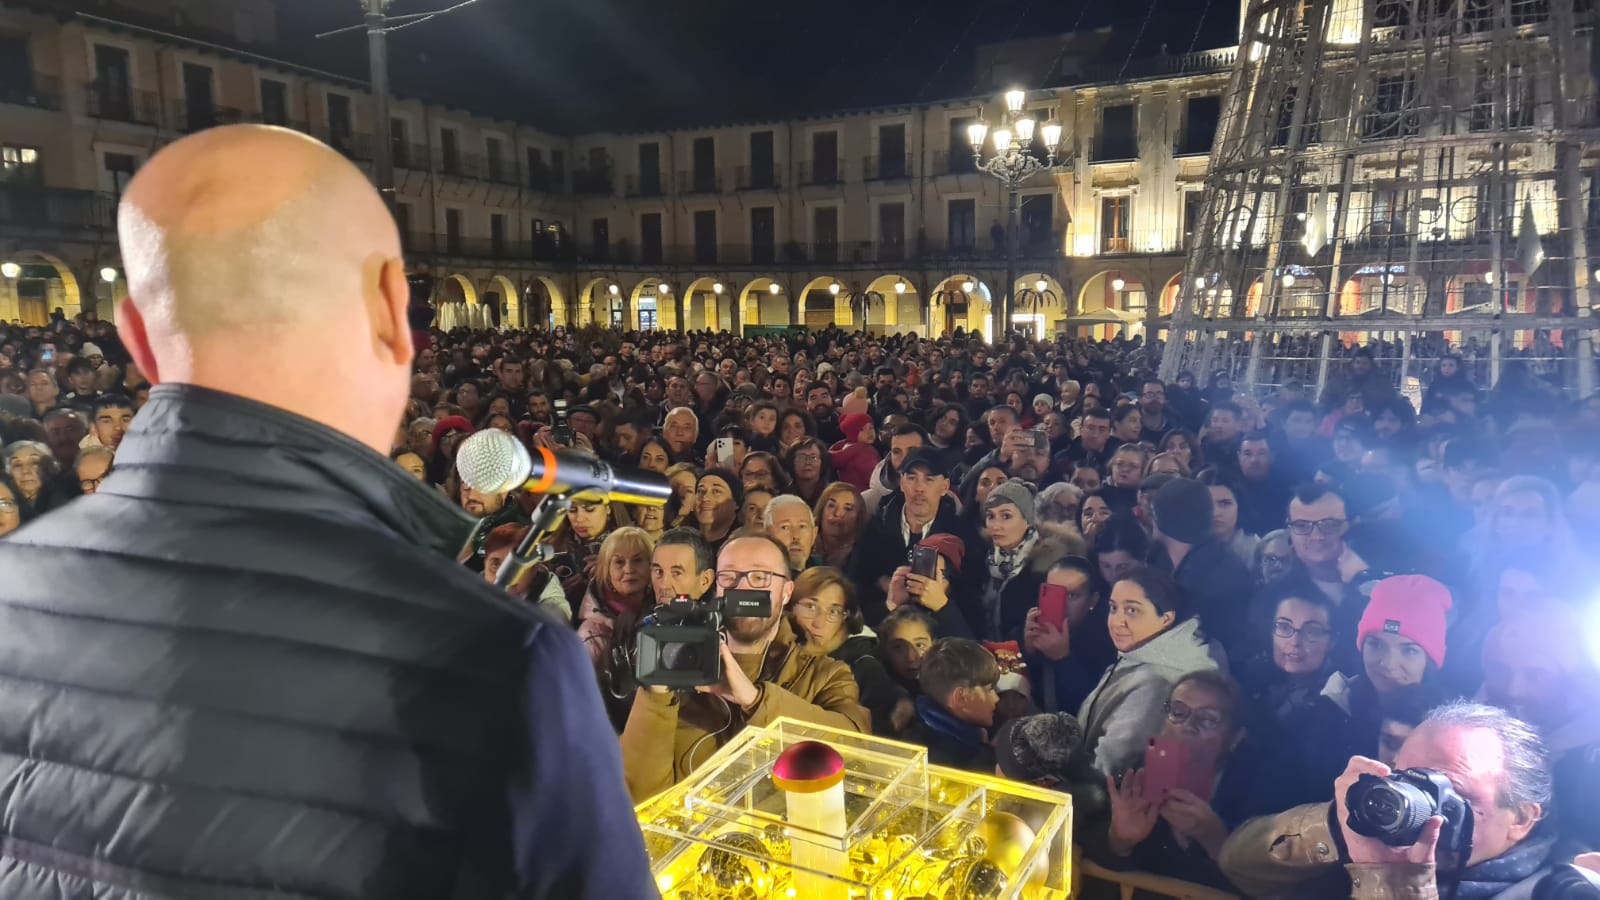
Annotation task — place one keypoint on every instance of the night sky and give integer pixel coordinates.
(634, 65)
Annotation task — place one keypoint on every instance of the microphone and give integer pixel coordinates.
(494, 462)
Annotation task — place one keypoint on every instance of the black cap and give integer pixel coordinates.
(924, 458)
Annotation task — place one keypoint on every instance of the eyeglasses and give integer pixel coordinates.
(1311, 633)
(7, 505)
(1324, 527)
(758, 579)
(1203, 721)
(809, 608)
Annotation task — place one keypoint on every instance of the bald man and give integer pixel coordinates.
(247, 665)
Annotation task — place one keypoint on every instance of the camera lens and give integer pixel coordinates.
(681, 657)
(1391, 811)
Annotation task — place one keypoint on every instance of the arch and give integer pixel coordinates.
(650, 307)
(543, 303)
(1169, 295)
(59, 292)
(761, 306)
(590, 302)
(1100, 292)
(971, 311)
(458, 288)
(509, 314)
(898, 306)
(1377, 291)
(702, 306)
(816, 304)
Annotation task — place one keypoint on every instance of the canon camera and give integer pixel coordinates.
(1394, 809)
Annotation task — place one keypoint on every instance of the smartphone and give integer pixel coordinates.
(925, 562)
(1053, 605)
(722, 448)
(560, 431)
(47, 355)
(1170, 764)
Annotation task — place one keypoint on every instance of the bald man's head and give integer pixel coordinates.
(261, 262)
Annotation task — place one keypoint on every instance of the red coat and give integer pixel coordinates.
(855, 462)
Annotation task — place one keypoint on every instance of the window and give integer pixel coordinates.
(1038, 224)
(763, 169)
(492, 149)
(705, 236)
(1391, 115)
(16, 68)
(558, 168)
(400, 143)
(199, 99)
(119, 169)
(650, 238)
(450, 151)
(647, 312)
(1201, 115)
(497, 234)
(1192, 203)
(402, 222)
(1119, 139)
(892, 231)
(962, 225)
(274, 102)
(763, 237)
(960, 154)
(600, 239)
(705, 165)
(891, 151)
(825, 157)
(452, 231)
(825, 233)
(1388, 216)
(113, 87)
(1310, 130)
(649, 170)
(1114, 216)
(20, 165)
(538, 175)
(340, 124)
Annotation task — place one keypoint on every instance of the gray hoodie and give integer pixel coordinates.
(1125, 709)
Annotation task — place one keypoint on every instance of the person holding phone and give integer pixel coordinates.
(934, 569)
(1171, 816)
(1065, 642)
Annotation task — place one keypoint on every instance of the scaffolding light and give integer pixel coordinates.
(1015, 99)
(1117, 284)
(1200, 282)
(1288, 281)
(10, 269)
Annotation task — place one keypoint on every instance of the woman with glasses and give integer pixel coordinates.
(1180, 834)
(827, 620)
(1158, 641)
(807, 461)
(12, 512)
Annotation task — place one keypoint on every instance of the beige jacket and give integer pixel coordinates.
(667, 734)
(1295, 854)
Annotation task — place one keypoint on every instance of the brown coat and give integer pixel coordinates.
(1295, 854)
(666, 735)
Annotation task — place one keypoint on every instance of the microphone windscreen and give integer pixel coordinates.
(493, 462)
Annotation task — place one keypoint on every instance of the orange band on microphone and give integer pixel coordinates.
(549, 476)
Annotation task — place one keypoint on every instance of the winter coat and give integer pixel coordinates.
(1020, 592)
(950, 741)
(879, 691)
(881, 548)
(854, 462)
(1125, 709)
(1219, 588)
(668, 735)
(254, 668)
(1061, 685)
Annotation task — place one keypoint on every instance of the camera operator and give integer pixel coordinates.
(765, 676)
(1494, 762)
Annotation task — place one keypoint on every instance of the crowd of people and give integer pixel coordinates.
(1036, 559)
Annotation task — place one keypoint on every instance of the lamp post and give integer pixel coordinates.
(1013, 165)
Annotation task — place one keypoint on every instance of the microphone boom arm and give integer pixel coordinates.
(548, 514)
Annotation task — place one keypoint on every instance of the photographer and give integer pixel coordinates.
(1494, 762)
(765, 676)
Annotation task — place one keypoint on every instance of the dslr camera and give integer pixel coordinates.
(679, 644)
(1394, 809)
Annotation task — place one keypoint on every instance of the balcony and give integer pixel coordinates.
(886, 168)
(646, 184)
(1112, 245)
(592, 182)
(700, 181)
(413, 157)
(32, 207)
(199, 118)
(1202, 62)
(825, 172)
(542, 250)
(1114, 149)
(546, 180)
(357, 147)
(43, 92)
(948, 163)
(758, 178)
(133, 107)
(1194, 142)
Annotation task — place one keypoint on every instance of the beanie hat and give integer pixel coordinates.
(854, 402)
(1412, 606)
(735, 486)
(90, 349)
(1037, 748)
(1017, 494)
(950, 547)
(1046, 399)
(852, 424)
(1182, 509)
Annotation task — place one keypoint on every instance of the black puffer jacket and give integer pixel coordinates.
(248, 668)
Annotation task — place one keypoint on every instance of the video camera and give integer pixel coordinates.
(679, 643)
(1394, 809)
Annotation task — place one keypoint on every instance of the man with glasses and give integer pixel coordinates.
(1154, 423)
(1317, 527)
(765, 676)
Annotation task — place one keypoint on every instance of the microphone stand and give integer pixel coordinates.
(548, 515)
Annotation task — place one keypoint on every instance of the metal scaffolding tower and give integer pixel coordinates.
(1420, 173)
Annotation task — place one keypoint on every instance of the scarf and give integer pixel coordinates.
(941, 723)
(1003, 566)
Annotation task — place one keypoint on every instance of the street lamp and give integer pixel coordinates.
(1039, 295)
(10, 269)
(1013, 164)
(1117, 284)
(774, 289)
(108, 275)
